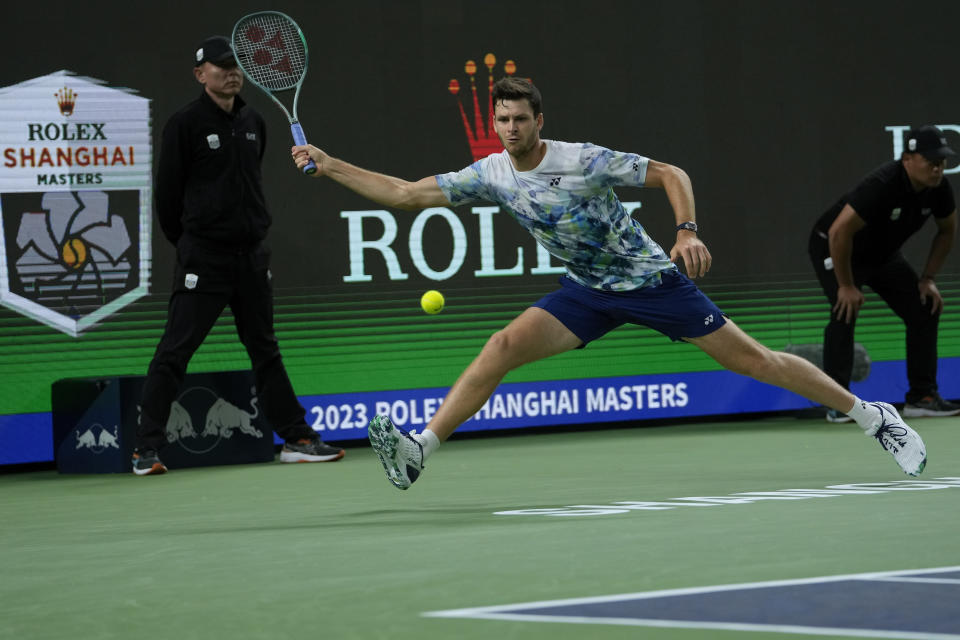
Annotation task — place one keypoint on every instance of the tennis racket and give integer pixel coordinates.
(271, 51)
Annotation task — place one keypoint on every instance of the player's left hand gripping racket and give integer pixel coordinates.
(271, 51)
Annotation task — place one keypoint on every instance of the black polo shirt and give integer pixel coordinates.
(208, 179)
(893, 211)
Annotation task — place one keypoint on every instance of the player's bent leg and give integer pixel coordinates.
(533, 335)
(735, 350)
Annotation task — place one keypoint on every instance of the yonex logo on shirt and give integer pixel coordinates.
(554, 181)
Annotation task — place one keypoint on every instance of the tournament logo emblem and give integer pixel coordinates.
(75, 199)
(70, 252)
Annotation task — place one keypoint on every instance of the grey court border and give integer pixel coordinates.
(505, 612)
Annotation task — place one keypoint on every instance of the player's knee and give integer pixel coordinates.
(499, 344)
(501, 351)
(759, 363)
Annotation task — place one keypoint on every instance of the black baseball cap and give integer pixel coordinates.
(929, 141)
(215, 49)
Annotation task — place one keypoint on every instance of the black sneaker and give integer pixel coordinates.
(931, 406)
(147, 463)
(310, 450)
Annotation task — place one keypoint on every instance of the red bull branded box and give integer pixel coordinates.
(214, 420)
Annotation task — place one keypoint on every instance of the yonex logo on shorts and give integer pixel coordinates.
(708, 320)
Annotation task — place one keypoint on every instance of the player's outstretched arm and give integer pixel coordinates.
(382, 189)
(688, 247)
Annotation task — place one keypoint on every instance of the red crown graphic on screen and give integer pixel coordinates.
(482, 139)
(66, 100)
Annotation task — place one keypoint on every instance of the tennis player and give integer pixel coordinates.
(562, 193)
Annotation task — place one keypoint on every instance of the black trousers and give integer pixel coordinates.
(895, 281)
(206, 280)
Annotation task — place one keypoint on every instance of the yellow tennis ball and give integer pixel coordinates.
(432, 302)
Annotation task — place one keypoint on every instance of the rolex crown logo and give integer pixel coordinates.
(66, 100)
(482, 139)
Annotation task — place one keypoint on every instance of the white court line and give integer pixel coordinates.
(503, 612)
(923, 580)
(722, 626)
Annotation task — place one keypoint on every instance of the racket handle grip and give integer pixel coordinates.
(300, 139)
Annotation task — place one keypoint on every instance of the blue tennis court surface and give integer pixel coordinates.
(917, 605)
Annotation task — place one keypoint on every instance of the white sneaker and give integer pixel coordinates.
(400, 454)
(901, 441)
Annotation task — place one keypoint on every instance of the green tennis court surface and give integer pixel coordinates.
(334, 551)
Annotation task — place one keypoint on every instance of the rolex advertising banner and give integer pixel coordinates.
(74, 200)
(774, 110)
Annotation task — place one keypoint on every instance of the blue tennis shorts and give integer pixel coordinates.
(675, 308)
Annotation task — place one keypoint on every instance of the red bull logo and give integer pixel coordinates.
(98, 438)
(220, 418)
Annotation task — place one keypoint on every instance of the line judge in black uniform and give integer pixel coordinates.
(210, 204)
(857, 242)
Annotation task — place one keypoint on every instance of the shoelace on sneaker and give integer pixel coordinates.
(892, 434)
(411, 447)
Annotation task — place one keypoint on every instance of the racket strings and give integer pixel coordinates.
(271, 51)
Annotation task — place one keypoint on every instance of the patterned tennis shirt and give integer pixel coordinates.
(568, 204)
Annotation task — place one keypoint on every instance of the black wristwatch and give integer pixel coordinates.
(688, 226)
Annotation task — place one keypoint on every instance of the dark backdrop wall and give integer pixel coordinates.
(774, 108)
